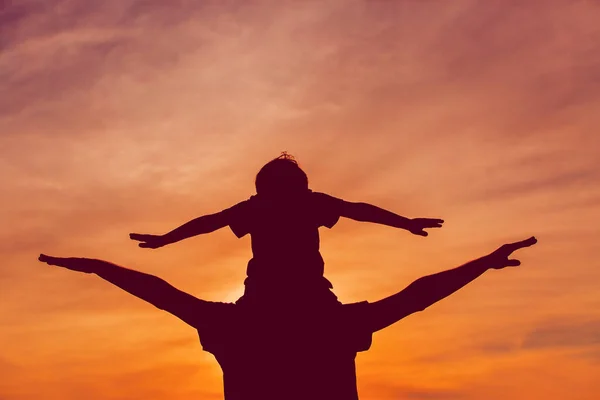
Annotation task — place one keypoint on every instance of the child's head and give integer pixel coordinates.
(280, 177)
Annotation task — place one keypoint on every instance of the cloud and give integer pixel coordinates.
(120, 116)
(517, 186)
(591, 354)
(399, 390)
(9, 367)
(563, 334)
(427, 394)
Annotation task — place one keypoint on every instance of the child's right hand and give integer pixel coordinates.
(148, 241)
(417, 226)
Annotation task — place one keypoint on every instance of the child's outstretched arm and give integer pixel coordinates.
(197, 226)
(370, 213)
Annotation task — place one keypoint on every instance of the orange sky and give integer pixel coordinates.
(136, 116)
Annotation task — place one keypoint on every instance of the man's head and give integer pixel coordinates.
(281, 177)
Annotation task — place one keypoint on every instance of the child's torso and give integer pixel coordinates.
(285, 240)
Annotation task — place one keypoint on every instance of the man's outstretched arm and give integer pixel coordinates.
(197, 226)
(144, 286)
(430, 289)
(369, 213)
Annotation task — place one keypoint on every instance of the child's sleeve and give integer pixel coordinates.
(327, 208)
(238, 218)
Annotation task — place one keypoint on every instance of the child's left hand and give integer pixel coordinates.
(148, 241)
(417, 225)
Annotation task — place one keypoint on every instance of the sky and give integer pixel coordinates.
(119, 117)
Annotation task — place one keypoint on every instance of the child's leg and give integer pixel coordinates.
(272, 292)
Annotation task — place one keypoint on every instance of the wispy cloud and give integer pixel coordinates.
(559, 334)
(121, 116)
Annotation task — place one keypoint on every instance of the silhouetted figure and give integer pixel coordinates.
(303, 353)
(283, 219)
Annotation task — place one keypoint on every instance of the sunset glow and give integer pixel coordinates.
(119, 117)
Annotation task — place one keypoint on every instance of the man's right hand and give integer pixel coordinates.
(499, 258)
(149, 241)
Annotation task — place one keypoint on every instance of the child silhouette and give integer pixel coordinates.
(283, 219)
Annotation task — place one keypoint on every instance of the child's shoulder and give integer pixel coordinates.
(324, 197)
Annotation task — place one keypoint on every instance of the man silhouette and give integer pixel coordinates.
(271, 352)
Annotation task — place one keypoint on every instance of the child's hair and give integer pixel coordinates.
(281, 175)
